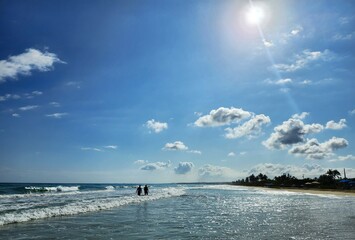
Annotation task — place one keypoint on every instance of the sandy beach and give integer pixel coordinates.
(312, 191)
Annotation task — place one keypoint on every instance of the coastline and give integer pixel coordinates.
(336, 192)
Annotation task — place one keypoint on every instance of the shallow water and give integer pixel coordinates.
(186, 212)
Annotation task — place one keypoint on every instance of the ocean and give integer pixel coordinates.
(170, 211)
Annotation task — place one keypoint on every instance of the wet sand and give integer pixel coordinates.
(312, 191)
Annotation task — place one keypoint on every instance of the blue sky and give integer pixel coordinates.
(175, 91)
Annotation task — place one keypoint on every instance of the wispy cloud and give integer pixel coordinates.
(352, 112)
(57, 115)
(343, 158)
(28, 108)
(156, 126)
(342, 37)
(91, 149)
(304, 59)
(24, 63)
(231, 154)
(112, 147)
(282, 81)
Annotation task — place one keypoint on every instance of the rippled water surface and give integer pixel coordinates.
(177, 212)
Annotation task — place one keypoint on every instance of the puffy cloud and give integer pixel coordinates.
(222, 116)
(184, 167)
(231, 154)
(217, 173)
(141, 162)
(156, 126)
(343, 158)
(29, 107)
(25, 63)
(303, 115)
(175, 146)
(304, 59)
(155, 166)
(56, 115)
(226, 116)
(312, 149)
(291, 132)
(336, 125)
(272, 170)
(249, 128)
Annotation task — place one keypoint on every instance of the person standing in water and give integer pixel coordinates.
(139, 190)
(146, 190)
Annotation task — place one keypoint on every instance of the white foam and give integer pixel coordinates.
(85, 205)
(53, 189)
(110, 188)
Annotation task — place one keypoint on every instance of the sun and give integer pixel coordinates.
(255, 15)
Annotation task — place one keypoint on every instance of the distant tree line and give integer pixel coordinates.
(331, 179)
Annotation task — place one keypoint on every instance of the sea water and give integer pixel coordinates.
(170, 211)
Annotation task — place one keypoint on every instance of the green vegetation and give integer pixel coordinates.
(330, 180)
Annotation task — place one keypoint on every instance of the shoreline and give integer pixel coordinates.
(336, 192)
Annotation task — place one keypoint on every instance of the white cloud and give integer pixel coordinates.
(303, 115)
(29, 107)
(352, 112)
(16, 115)
(25, 63)
(304, 59)
(156, 126)
(156, 166)
(217, 173)
(195, 152)
(296, 30)
(283, 81)
(341, 37)
(222, 116)
(9, 96)
(291, 132)
(336, 125)
(91, 149)
(344, 20)
(268, 43)
(175, 146)
(343, 158)
(231, 154)
(56, 115)
(110, 147)
(140, 162)
(54, 104)
(184, 167)
(249, 128)
(312, 149)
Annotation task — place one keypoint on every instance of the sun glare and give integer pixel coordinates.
(255, 15)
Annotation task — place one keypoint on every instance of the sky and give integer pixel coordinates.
(175, 91)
